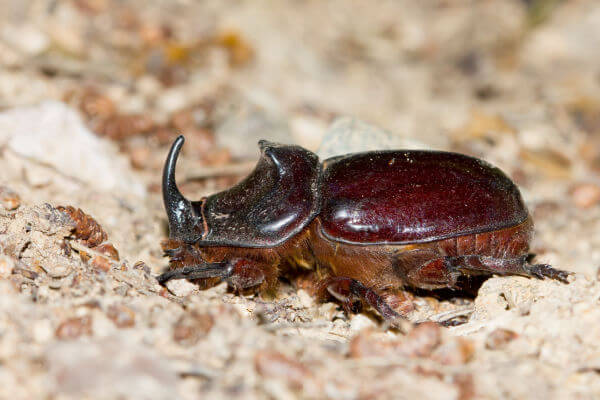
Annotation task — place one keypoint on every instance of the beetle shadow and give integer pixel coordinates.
(467, 287)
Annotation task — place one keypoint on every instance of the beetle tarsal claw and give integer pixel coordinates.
(201, 271)
(542, 271)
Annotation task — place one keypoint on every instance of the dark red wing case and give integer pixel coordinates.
(404, 197)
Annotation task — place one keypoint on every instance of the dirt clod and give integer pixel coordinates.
(272, 364)
(122, 316)
(192, 327)
(75, 327)
(499, 338)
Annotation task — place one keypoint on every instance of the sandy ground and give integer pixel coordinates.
(92, 92)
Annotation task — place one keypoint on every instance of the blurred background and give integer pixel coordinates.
(93, 92)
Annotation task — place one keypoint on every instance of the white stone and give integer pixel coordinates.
(115, 367)
(25, 38)
(181, 287)
(55, 135)
(360, 322)
(350, 135)
(6, 266)
(249, 121)
(42, 331)
(306, 300)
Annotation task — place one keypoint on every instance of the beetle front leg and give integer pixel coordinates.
(197, 271)
(245, 274)
(239, 273)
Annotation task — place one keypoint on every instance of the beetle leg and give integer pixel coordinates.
(434, 274)
(198, 271)
(339, 288)
(239, 273)
(245, 274)
(508, 266)
(347, 290)
(400, 300)
(542, 271)
(445, 271)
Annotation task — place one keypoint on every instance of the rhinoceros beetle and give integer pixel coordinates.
(365, 223)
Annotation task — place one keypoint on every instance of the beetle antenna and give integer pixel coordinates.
(182, 218)
(200, 271)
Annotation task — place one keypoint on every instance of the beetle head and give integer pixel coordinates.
(185, 217)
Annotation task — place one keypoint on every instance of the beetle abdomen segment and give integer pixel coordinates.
(394, 266)
(402, 197)
(440, 264)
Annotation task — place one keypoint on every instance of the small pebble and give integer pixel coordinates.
(73, 328)
(142, 266)
(122, 289)
(6, 266)
(180, 287)
(455, 352)
(121, 316)
(101, 263)
(499, 338)
(305, 299)
(9, 199)
(55, 284)
(140, 157)
(585, 195)
(272, 364)
(191, 327)
(360, 322)
(38, 176)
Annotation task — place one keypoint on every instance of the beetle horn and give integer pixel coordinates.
(182, 216)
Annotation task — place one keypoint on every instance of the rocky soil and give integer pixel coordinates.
(92, 92)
